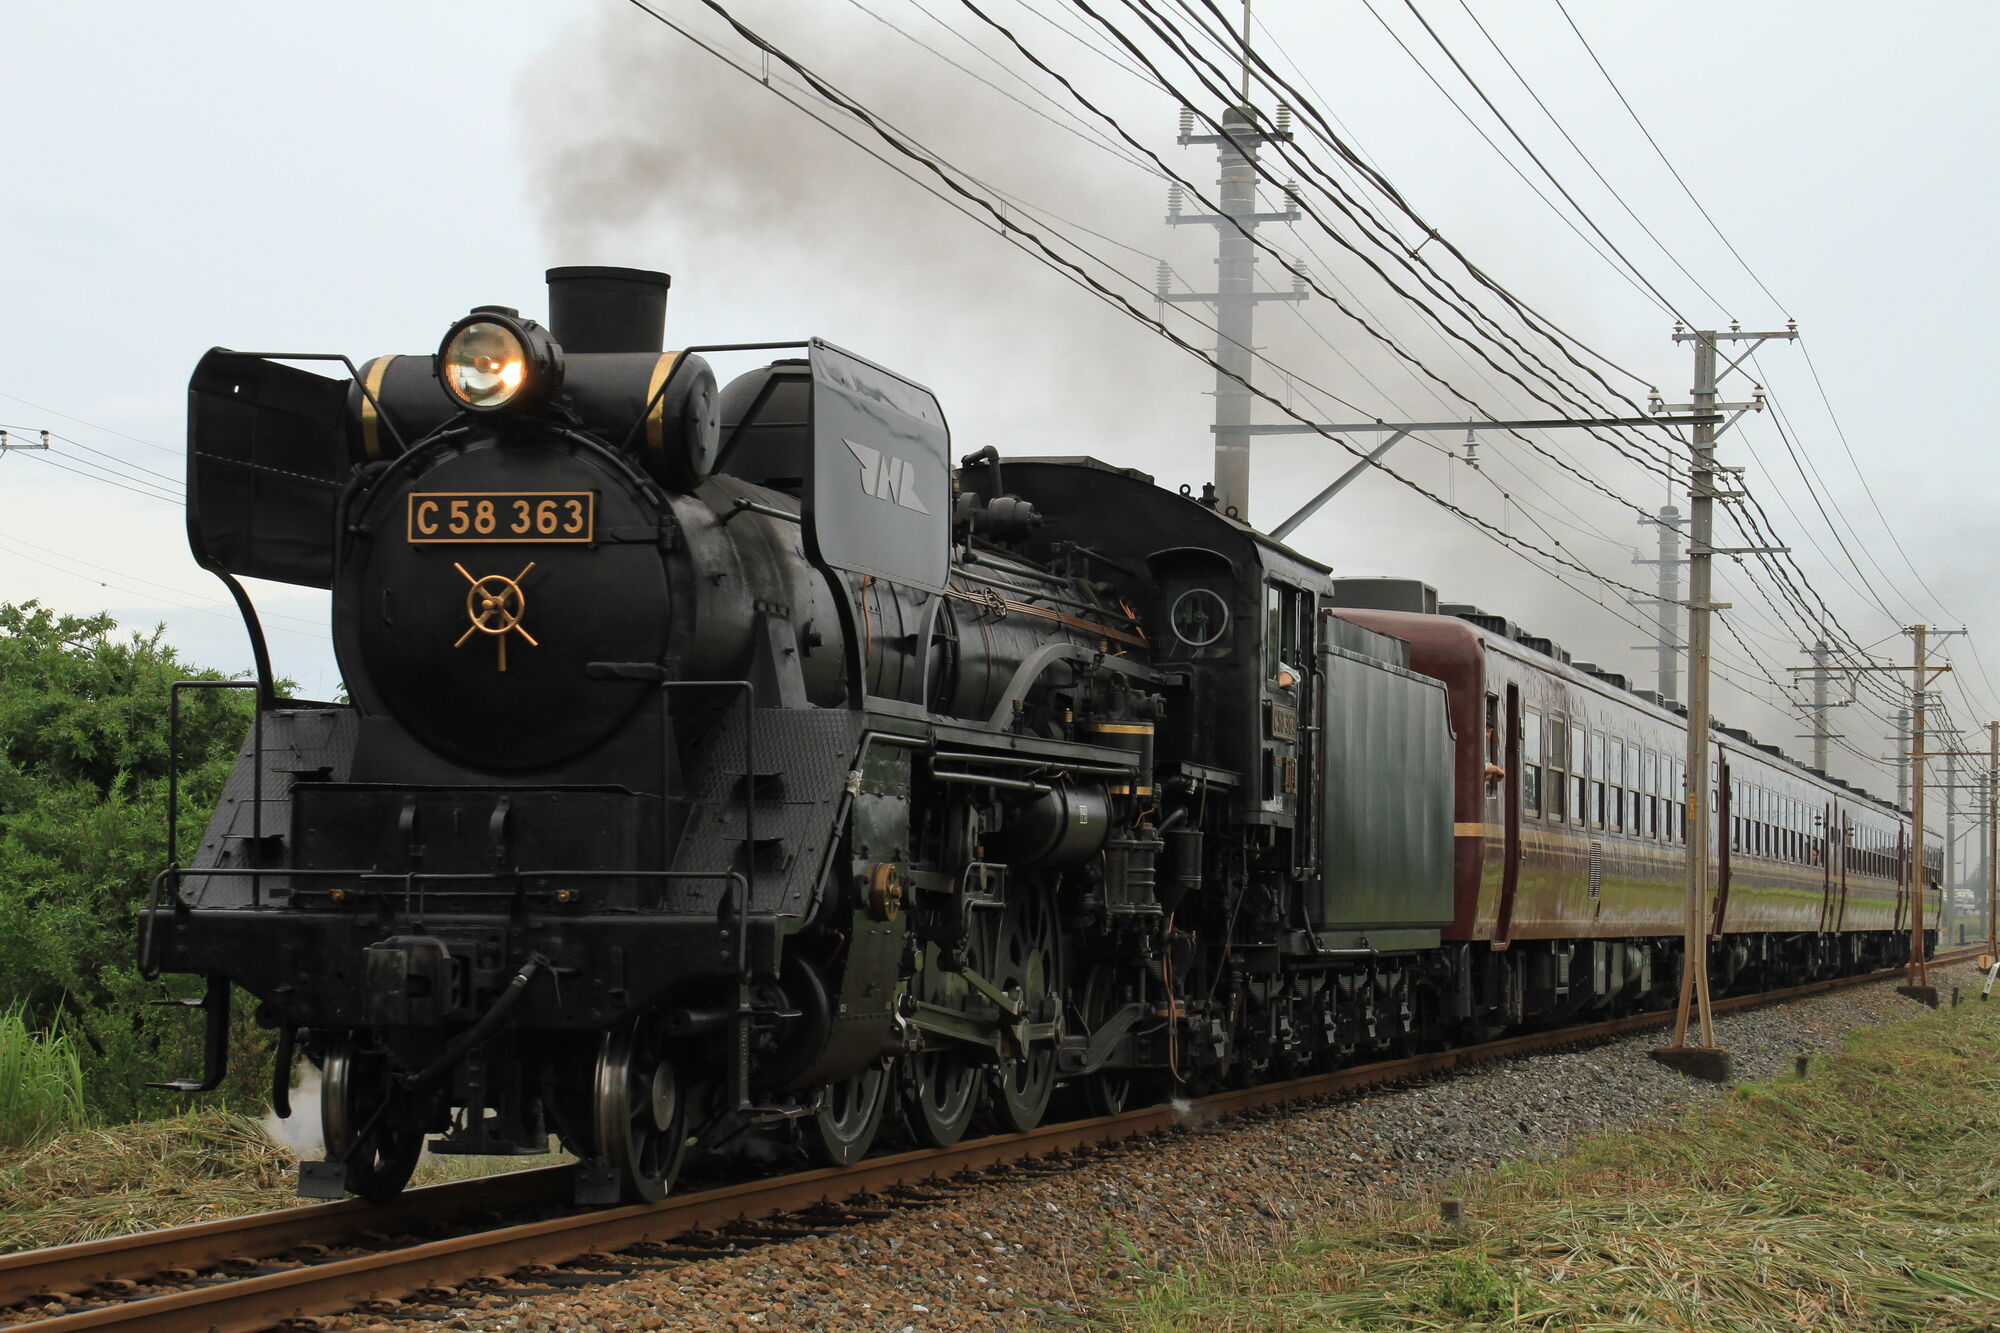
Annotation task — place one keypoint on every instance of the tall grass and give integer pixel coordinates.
(41, 1082)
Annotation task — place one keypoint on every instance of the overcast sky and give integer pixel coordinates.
(351, 178)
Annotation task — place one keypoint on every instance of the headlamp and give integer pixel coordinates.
(493, 360)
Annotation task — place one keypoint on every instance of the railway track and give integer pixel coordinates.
(255, 1272)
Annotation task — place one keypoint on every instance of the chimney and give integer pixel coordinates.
(596, 309)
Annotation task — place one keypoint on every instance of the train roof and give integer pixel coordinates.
(1498, 632)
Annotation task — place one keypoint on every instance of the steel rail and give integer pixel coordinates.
(260, 1301)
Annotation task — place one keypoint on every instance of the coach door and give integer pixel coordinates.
(1725, 808)
(1510, 816)
(1846, 840)
(1902, 878)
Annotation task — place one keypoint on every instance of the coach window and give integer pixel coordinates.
(1614, 783)
(1649, 823)
(1493, 730)
(1554, 788)
(1597, 778)
(1662, 802)
(1531, 763)
(1633, 821)
(1579, 796)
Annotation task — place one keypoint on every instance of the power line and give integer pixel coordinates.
(1532, 157)
(93, 425)
(104, 477)
(1290, 266)
(1585, 158)
(1661, 153)
(955, 181)
(207, 610)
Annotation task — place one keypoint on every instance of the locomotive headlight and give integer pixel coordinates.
(493, 360)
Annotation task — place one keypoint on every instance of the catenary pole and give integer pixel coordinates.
(1917, 969)
(1707, 1061)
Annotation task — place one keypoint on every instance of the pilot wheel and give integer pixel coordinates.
(639, 1109)
(363, 1115)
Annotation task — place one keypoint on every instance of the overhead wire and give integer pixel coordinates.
(1586, 160)
(905, 146)
(174, 597)
(1561, 189)
(934, 167)
(1215, 82)
(1666, 161)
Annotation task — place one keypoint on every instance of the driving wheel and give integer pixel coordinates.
(1027, 965)
(941, 1083)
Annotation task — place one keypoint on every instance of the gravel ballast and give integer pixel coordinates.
(1009, 1254)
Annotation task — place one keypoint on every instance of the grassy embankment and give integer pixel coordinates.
(1860, 1198)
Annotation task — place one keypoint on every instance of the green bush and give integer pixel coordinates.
(83, 805)
(41, 1083)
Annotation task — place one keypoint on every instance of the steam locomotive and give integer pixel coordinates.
(723, 761)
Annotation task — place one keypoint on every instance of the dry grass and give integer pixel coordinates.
(107, 1182)
(1860, 1198)
(195, 1167)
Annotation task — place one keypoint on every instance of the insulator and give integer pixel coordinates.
(1301, 276)
(1292, 193)
(1284, 118)
(1176, 196)
(1163, 279)
(1187, 121)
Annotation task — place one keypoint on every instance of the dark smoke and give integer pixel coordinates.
(648, 151)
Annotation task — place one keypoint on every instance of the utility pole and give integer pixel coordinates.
(1993, 838)
(1917, 984)
(1947, 908)
(1667, 605)
(1706, 1060)
(1235, 297)
(1919, 974)
(1820, 678)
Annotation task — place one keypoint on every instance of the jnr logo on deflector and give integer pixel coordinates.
(887, 477)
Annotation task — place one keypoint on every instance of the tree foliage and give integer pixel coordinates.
(84, 762)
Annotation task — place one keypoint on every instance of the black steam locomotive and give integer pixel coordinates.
(726, 762)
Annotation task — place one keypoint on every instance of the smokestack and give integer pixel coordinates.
(597, 309)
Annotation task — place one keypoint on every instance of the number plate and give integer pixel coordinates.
(437, 517)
